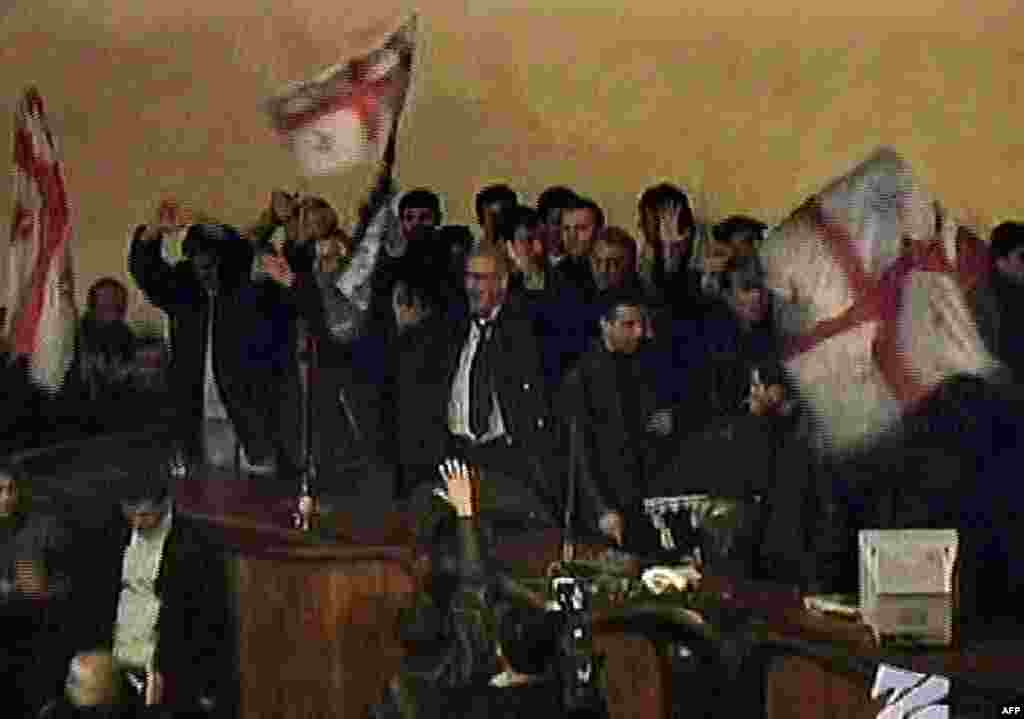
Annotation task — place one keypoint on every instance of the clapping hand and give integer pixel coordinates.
(458, 478)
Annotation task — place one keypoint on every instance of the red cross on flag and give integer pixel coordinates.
(347, 113)
(868, 281)
(40, 299)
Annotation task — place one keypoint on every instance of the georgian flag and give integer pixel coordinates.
(43, 316)
(869, 280)
(345, 115)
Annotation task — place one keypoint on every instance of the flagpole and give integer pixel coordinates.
(307, 501)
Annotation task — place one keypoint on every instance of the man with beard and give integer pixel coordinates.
(473, 387)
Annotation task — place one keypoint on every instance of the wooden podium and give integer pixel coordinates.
(317, 620)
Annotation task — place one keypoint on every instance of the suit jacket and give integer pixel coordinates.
(194, 624)
(612, 452)
(255, 335)
(426, 372)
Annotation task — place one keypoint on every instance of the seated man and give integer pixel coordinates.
(33, 550)
(162, 609)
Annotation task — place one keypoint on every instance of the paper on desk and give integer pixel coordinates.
(659, 579)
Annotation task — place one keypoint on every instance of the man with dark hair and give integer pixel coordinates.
(581, 222)
(556, 306)
(234, 369)
(101, 377)
(490, 202)
(419, 207)
(34, 579)
(668, 244)
(617, 410)
(161, 604)
(613, 260)
(518, 234)
(550, 205)
(744, 234)
(998, 303)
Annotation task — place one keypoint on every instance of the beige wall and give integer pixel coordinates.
(751, 111)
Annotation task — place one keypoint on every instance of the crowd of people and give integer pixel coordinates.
(571, 362)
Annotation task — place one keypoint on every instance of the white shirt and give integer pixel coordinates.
(138, 608)
(458, 403)
(213, 403)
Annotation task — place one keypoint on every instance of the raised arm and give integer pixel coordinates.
(157, 279)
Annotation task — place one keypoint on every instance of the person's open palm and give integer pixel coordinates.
(459, 480)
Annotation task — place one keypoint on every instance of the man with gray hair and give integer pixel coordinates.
(474, 388)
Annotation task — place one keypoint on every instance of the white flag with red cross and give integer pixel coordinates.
(345, 116)
(869, 280)
(42, 312)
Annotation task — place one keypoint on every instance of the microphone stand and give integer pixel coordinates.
(307, 504)
(568, 539)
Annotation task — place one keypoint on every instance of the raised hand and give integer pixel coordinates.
(459, 480)
(278, 270)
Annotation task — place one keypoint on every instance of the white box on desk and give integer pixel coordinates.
(907, 582)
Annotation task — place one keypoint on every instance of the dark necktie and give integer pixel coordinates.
(481, 382)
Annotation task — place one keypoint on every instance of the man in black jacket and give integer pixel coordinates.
(34, 588)
(474, 387)
(234, 369)
(621, 417)
(161, 603)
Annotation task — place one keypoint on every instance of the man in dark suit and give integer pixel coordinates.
(234, 370)
(160, 603)
(624, 419)
(472, 386)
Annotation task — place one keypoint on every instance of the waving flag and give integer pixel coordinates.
(40, 287)
(346, 114)
(870, 276)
